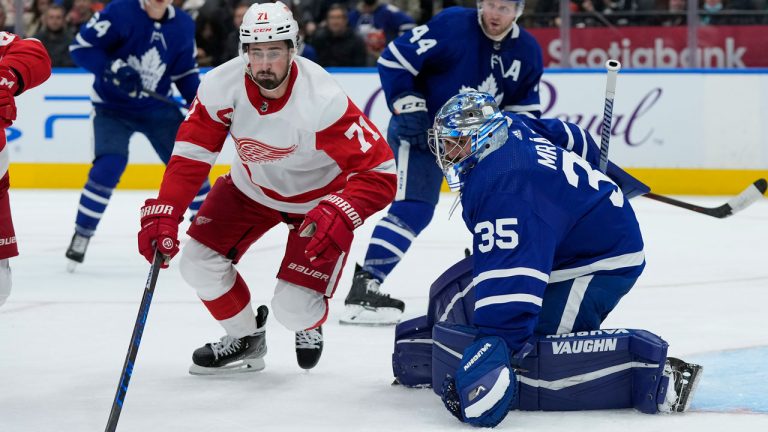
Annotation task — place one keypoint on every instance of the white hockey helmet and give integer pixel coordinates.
(268, 22)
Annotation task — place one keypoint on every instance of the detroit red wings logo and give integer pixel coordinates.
(251, 150)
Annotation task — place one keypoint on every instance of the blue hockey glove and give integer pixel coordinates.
(485, 385)
(124, 77)
(410, 113)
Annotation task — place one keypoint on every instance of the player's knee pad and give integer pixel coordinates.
(412, 357)
(107, 170)
(207, 271)
(5, 280)
(298, 308)
(415, 215)
(599, 369)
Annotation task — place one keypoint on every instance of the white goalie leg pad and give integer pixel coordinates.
(298, 308)
(5, 280)
(207, 271)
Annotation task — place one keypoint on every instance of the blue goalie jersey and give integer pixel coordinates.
(162, 51)
(451, 53)
(542, 214)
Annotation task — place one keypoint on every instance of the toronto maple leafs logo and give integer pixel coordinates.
(254, 151)
(489, 86)
(151, 68)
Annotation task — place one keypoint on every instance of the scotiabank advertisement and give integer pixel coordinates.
(658, 47)
(672, 119)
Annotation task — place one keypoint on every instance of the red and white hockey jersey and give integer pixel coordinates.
(30, 60)
(291, 152)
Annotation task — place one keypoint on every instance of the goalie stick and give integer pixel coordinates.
(133, 346)
(752, 193)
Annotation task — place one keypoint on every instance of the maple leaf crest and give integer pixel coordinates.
(487, 86)
(151, 68)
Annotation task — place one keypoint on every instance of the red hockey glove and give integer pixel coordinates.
(9, 84)
(159, 226)
(330, 225)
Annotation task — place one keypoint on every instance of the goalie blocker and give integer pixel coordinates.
(598, 369)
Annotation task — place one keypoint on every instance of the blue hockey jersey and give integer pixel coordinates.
(541, 214)
(451, 53)
(161, 51)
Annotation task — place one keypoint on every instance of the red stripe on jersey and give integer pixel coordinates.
(334, 186)
(231, 303)
(199, 128)
(182, 180)
(268, 106)
(358, 147)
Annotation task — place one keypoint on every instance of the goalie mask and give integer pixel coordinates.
(268, 22)
(467, 128)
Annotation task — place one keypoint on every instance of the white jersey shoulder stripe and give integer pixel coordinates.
(395, 52)
(194, 152)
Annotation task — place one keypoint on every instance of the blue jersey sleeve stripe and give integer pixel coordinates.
(389, 63)
(521, 108)
(570, 135)
(573, 304)
(508, 298)
(584, 144)
(399, 57)
(613, 263)
(505, 273)
(79, 43)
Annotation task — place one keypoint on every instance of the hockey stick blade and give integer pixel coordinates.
(747, 197)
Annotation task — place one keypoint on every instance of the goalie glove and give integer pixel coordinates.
(330, 225)
(410, 113)
(159, 228)
(485, 386)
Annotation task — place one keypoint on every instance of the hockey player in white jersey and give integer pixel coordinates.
(306, 156)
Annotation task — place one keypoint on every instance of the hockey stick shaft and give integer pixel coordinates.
(161, 98)
(747, 197)
(133, 347)
(613, 67)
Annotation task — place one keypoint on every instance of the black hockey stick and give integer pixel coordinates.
(752, 193)
(133, 347)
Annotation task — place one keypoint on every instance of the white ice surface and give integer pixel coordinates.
(63, 337)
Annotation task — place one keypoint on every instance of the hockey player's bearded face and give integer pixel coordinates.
(269, 63)
(497, 16)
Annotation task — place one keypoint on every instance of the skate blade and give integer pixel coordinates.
(71, 266)
(243, 366)
(358, 315)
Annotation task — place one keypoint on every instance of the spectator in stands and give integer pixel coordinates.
(677, 14)
(3, 18)
(80, 13)
(56, 37)
(378, 23)
(336, 43)
(211, 37)
(233, 38)
(33, 19)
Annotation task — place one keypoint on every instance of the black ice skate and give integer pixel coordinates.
(309, 347)
(683, 379)
(76, 251)
(367, 305)
(232, 355)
